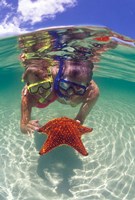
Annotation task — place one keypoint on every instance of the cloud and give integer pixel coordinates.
(40, 9)
(10, 28)
(29, 12)
(4, 4)
(8, 22)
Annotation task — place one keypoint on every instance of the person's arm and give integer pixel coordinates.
(88, 103)
(27, 125)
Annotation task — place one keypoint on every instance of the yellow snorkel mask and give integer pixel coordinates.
(42, 87)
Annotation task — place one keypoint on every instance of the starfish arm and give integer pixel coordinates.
(73, 139)
(49, 145)
(43, 130)
(78, 145)
(84, 130)
(81, 128)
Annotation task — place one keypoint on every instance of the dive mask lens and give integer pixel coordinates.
(41, 86)
(46, 85)
(68, 88)
(79, 90)
(64, 85)
(33, 89)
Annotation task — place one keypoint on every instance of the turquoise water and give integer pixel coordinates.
(106, 173)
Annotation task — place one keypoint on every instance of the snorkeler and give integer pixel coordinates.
(69, 82)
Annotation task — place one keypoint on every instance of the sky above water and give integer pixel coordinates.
(19, 16)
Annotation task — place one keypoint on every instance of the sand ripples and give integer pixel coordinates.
(107, 173)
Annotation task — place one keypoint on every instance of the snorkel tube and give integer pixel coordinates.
(58, 76)
(58, 45)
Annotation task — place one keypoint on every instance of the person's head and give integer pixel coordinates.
(38, 78)
(78, 71)
(76, 77)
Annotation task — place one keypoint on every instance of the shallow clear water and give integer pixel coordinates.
(106, 173)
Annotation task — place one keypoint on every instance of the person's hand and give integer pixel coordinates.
(78, 120)
(29, 128)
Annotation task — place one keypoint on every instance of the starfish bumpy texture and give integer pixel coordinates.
(62, 131)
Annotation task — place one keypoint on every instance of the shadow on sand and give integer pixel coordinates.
(61, 161)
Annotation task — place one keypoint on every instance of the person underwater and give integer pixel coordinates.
(68, 81)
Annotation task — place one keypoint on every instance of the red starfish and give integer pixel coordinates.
(64, 131)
